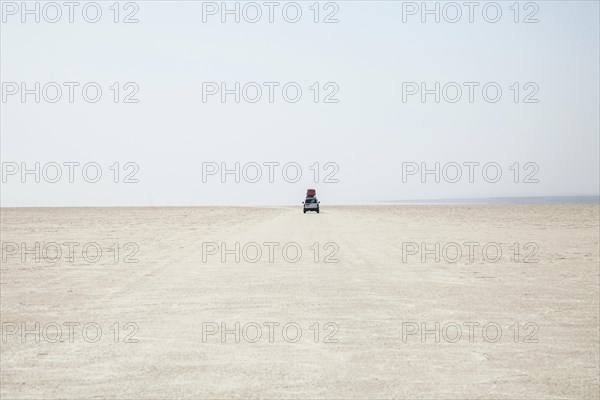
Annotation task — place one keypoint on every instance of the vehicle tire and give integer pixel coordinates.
(304, 211)
(317, 210)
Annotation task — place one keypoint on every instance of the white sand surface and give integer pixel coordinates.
(369, 294)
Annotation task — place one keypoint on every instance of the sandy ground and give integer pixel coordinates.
(365, 304)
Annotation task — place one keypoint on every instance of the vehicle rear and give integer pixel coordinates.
(311, 204)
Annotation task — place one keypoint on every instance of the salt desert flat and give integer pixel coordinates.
(359, 305)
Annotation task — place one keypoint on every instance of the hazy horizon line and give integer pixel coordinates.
(552, 199)
(507, 200)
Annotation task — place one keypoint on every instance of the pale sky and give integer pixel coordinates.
(362, 140)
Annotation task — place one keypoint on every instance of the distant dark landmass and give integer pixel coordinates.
(587, 199)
